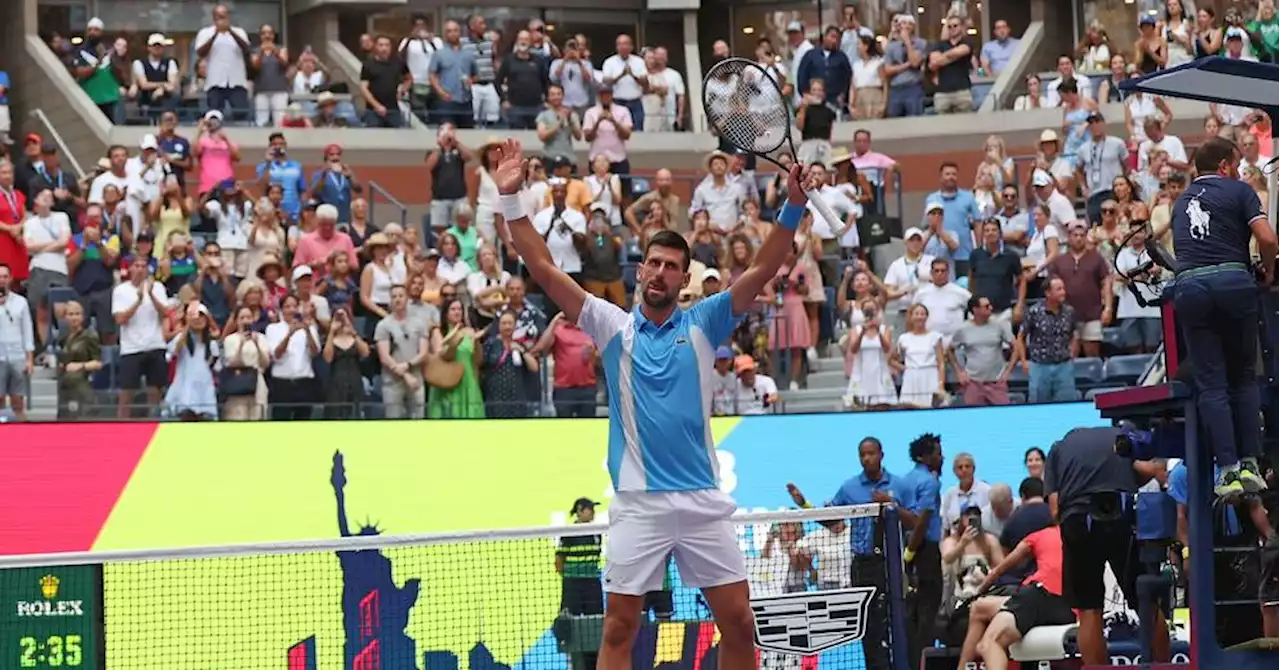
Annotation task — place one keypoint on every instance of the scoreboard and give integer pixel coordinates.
(51, 618)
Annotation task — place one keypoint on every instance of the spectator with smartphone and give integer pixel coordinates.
(245, 349)
(278, 168)
(968, 554)
(227, 54)
(294, 340)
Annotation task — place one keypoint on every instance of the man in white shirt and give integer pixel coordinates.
(138, 306)
(17, 346)
(755, 393)
(1250, 153)
(564, 229)
(626, 74)
(724, 383)
(117, 176)
(225, 50)
(1156, 137)
(46, 234)
(1000, 506)
(830, 545)
(145, 172)
(294, 341)
(1066, 70)
(843, 207)
(1061, 211)
(906, 274)
(945, 300)
(721, 198)
(799, 47)
(1140, 327)
(416, 51)
(667, 86)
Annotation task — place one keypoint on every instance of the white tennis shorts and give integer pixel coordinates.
(646, 528)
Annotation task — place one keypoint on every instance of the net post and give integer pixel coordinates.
(896, 582)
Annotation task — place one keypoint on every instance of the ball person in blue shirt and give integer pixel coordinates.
(1216, 301)
(922, 492)
(658, 361)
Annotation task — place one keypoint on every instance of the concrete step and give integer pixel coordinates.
(811, 406)
(828, 379)
(828, 364)
(827, 395)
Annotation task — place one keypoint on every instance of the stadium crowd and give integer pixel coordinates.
(161, 272)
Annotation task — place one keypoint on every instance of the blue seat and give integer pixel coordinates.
(1018, 376)
(1088, 370)
(1126, 369)
(105, 379)
(629, 277)
(1111, 337)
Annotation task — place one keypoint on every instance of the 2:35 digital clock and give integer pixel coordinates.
(51, 618)
(54, 652)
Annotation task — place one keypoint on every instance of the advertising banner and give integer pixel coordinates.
(119, 486)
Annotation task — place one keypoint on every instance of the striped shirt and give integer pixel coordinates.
(660, 379)
(482, 51)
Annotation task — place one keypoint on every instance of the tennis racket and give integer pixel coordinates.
(746, 107)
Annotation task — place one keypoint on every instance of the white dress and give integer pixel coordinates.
(487, 206)
(920, 357)
(602, 192)
(870, 378)
(192, 389)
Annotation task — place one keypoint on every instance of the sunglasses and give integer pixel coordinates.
(1008, 196)
(1108, 210)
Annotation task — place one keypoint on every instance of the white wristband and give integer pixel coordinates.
(512, 207)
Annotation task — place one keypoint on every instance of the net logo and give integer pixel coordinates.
(50, 606)
(809, 623)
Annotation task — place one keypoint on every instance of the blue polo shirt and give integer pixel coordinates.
(857, 490)
(660, 380)
(959, 209)
(292, 180)
(922, 491)
(178, 148)
(1177, 489)
(1211, 222)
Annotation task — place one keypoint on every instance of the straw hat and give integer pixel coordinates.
(839, 156)
(490, 143)
(717, 154)
(377, 240)
(270, 259)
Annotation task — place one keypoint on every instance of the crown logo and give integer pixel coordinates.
(49, 587)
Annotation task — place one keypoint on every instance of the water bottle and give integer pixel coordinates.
(516, 360)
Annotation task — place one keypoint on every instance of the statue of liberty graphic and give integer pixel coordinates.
(375, 612)
(1199, 228)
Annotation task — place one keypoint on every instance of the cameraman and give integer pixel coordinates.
(564, 229)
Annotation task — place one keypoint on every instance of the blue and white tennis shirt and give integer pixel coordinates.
(660, 386)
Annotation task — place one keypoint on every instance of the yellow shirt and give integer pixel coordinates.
(577, 196)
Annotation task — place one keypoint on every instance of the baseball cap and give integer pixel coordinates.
(301, 271)
(32, 138)
(156, 39)
(149, 143)
(724, 353)
(599, 207)
(1041, 178)
(213, 114)
(48, 148)
(146, 236)
(711, 273)
(431, 253)
(1147, 20)
(795, 27)
(744, 363)
(1049, 135)
(912, 232)
(1095, 116)
(311, 203)
(1234, 33)
(1078, 225)
(581, 503)
(95, 23)
(934, 206)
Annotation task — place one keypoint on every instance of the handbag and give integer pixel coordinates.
(237, 382)
(442, 374)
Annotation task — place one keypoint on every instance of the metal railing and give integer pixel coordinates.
(376, 189)
(63, 149)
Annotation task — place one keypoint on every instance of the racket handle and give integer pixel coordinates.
(837, 226)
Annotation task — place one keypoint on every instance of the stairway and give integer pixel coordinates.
(826, 385)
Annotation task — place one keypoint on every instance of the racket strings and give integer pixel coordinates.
(746, 107)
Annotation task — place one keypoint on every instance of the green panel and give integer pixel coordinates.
(51, 617)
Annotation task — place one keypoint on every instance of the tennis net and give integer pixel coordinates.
(527, 598)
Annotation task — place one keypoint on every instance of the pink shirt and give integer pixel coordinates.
(312, 247)
(607, 142)
(215, 163)
(873, 160)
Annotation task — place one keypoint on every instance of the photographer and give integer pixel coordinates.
(576, 77)
(278, 169)
(968, 554)
(294, 341)
(230, 206)
(564, 229)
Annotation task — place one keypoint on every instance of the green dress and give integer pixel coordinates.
(463, 401)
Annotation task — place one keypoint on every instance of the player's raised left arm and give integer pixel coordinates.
(777, 246)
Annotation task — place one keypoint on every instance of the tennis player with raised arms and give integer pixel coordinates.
(658, 361)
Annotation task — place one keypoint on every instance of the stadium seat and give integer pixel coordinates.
(1088, 370)
(1093, 392)
(1111, 337)
(105, 379)
(1127, 368)
(629, 277)
(1017, 398)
